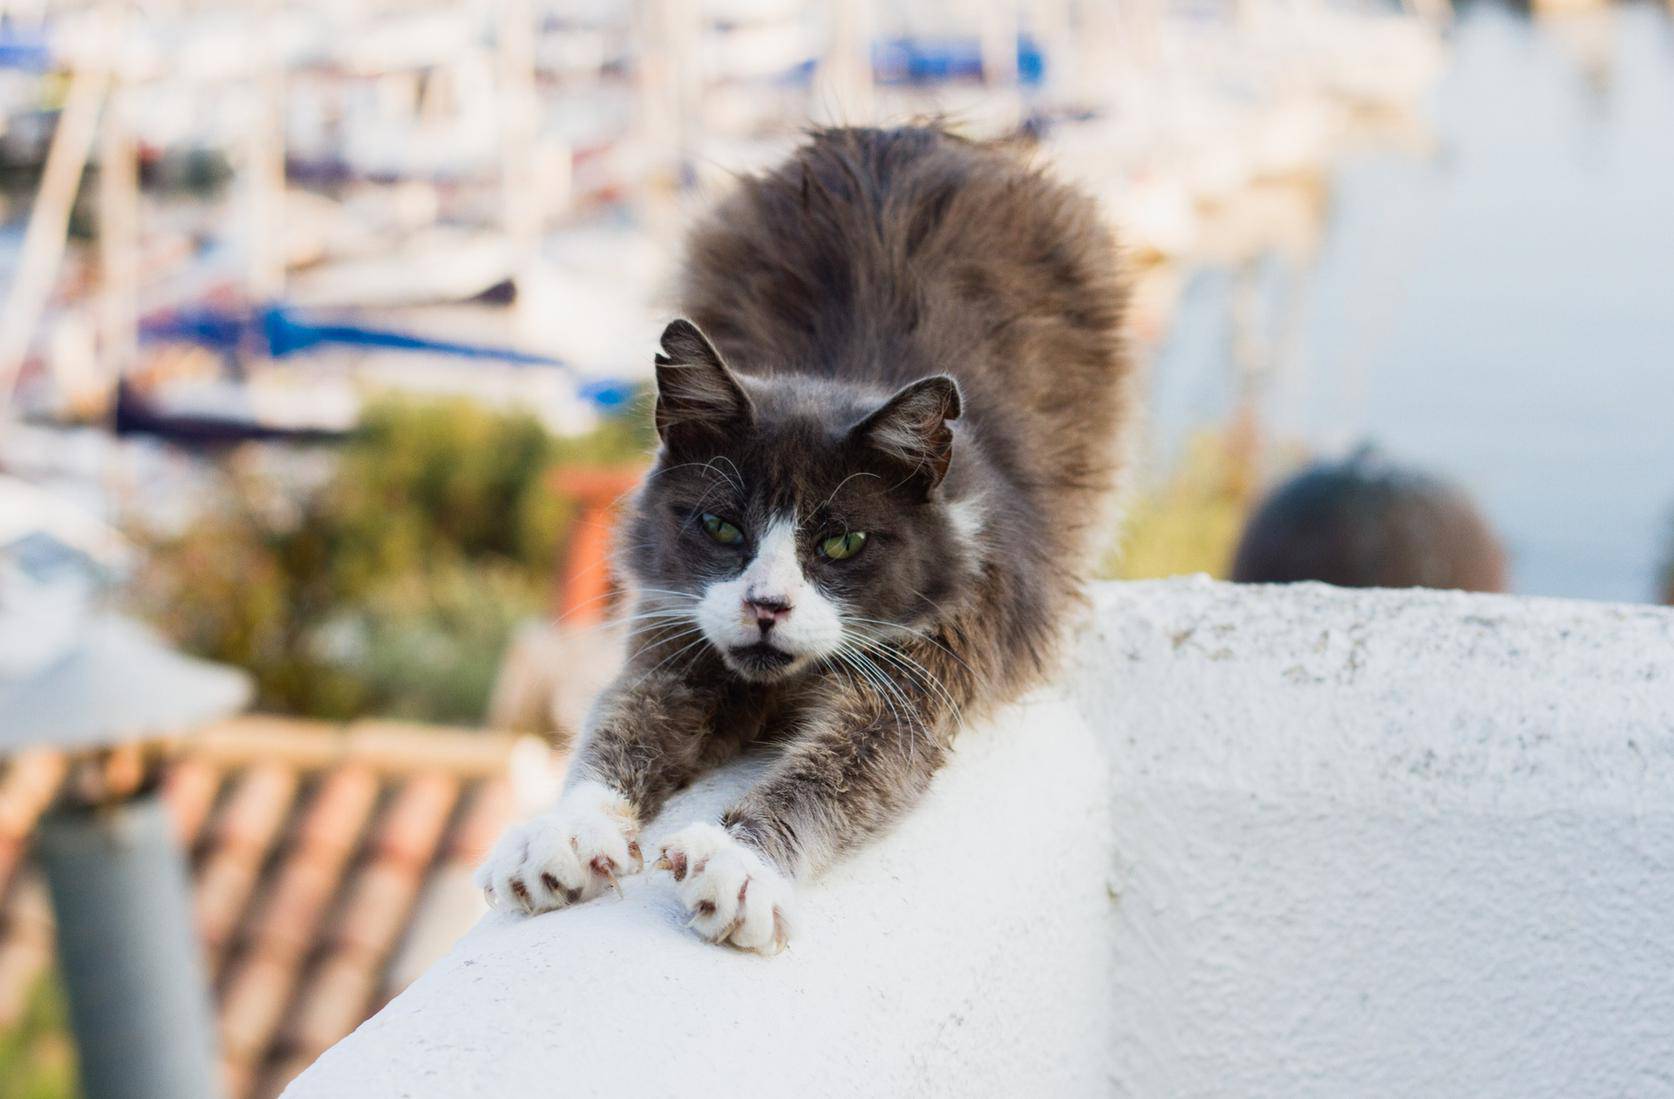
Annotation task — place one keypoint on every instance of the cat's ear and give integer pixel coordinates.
(698, 397)
(911, 429)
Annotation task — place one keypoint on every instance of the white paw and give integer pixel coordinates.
(734, 895)
(571, 854)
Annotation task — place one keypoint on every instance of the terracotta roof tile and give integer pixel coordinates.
(27, 785)
(492, 807)
(238, 1078)
(338, 813)
(386, 889)
(243, 834)
(253, 1005)
(378, 907)
(191, 787)
(331, 866)
(280, 1072)
(259, 804)
(339, 998)
(313, 868)
(413, 827)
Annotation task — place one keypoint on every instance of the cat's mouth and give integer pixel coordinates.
(760, 660)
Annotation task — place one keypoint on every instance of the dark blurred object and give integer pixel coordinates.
(137, 414)
(1667, 592)
(1364, 523)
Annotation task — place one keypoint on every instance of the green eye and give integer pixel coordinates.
(839, 546)
(721, 530)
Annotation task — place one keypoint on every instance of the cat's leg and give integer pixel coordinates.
(649, 736)
(838, 783)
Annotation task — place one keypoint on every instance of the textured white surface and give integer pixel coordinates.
(1388, 843)
(1366, 844)
(964, 953)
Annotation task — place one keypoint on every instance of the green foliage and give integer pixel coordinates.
(1192, 521)
(428, 645)
(37, 1060)
(393, 588)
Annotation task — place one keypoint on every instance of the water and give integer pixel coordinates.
(1501, 309)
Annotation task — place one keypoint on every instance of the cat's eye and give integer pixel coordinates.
(721, 530)
(840, 546)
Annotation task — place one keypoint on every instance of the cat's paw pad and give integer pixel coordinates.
(572, 854)
(734, 895)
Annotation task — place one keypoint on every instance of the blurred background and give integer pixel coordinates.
(324, 337)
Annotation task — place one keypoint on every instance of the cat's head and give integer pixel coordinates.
(791, 522)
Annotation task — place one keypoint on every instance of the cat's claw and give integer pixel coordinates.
(734, 895)
(569, 855)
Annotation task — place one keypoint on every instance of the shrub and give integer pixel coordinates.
(1190, 522)
(393, 587)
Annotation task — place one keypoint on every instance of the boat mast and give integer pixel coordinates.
(49, 219)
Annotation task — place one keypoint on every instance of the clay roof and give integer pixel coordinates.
(330, 866)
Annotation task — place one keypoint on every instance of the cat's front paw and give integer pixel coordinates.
(569, 855)
(733, 894)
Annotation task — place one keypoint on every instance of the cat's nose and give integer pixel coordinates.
(767, 610)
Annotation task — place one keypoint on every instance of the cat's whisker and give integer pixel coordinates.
(691, 660)
(664, 639)
(923, 675)
(644, 599)
(869, 672)
(660, 661)
(633, 623)
(844, 653)
(737, 476)
(701, 640)
(709, 466)
(654, 613)
(922, 635)
(893, 694)
(921, 684)
(848, 675)
(584, 604)
(884, 647)
(668, 591)
(654, 633)
(669, 632)
(838, 489)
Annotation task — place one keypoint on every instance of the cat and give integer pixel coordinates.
(889, 434)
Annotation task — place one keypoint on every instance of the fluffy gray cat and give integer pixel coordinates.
(888, 435)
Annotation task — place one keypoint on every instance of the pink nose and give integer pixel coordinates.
(768, 611)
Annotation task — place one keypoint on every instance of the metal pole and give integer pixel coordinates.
(138, 1001)
(49, 221)
(522, 205)
(846, 89)
(998, 42)
(264, 160)
(118, 239)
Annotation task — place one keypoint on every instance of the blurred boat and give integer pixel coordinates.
(512, 177)
(224, 411)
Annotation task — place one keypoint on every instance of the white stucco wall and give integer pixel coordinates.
(964, 952)
(1381, 844)
(1319, 843)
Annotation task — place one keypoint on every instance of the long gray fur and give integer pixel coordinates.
(821, 297)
